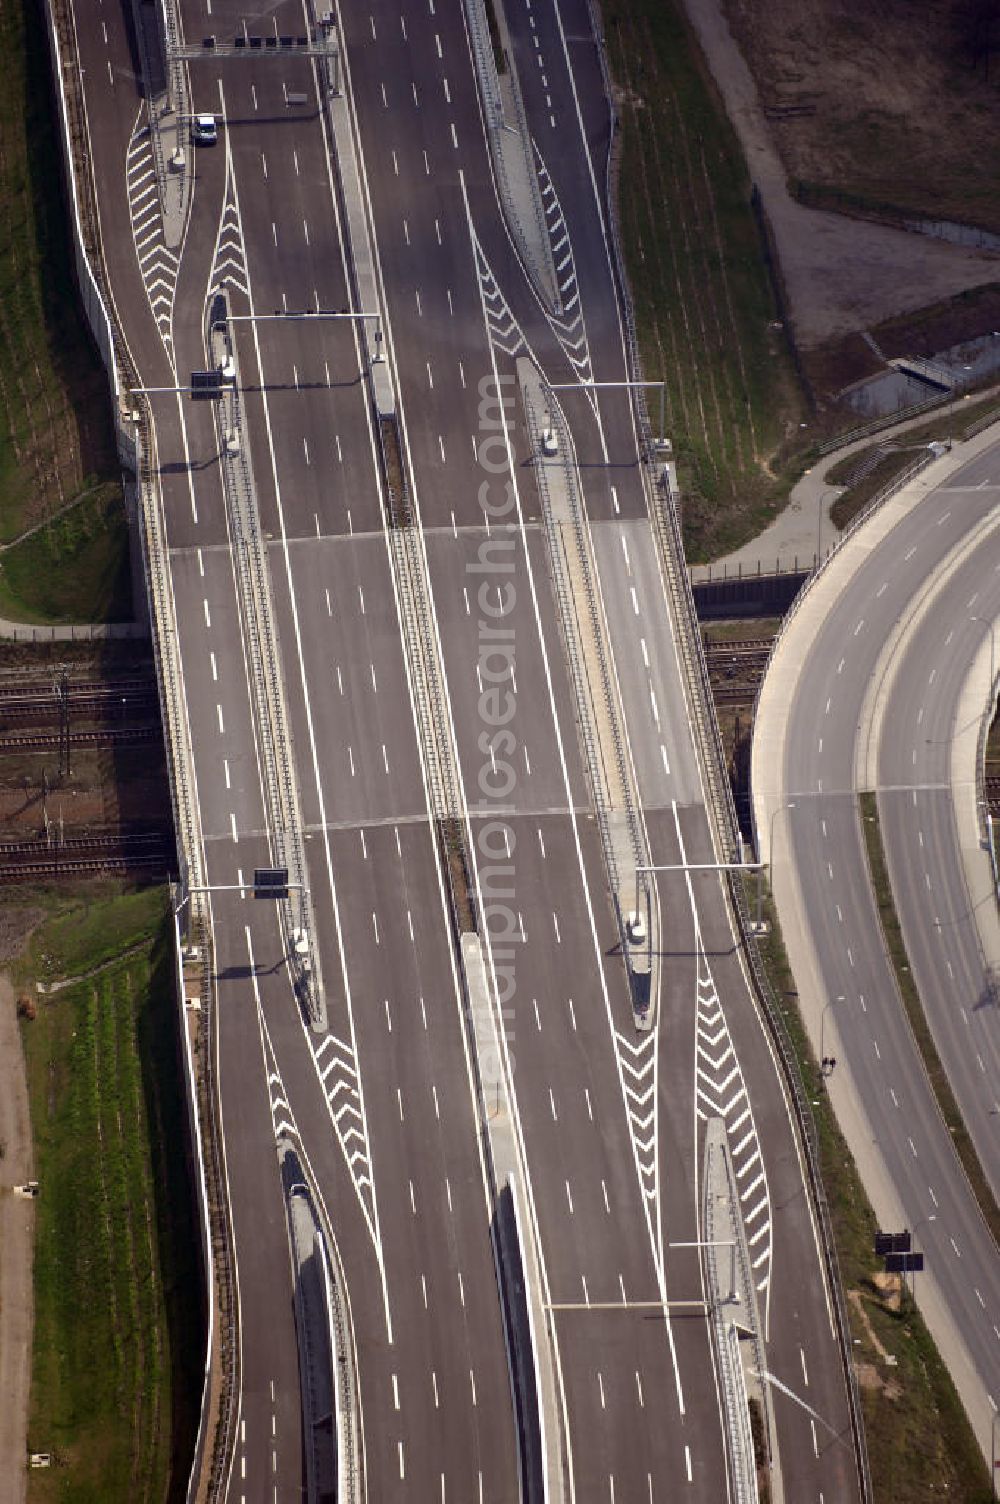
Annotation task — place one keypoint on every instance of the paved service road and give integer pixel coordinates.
(381, 1104)
(835, 654)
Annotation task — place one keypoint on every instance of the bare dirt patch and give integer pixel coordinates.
(839, 274)
(891, 103)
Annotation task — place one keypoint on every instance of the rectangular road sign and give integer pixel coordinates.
(270, 882)
(904, 1263)
(891, 1242)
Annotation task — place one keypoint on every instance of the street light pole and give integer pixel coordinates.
(984, 622)
(822, 1030)
(921, 1222)
(760, 867)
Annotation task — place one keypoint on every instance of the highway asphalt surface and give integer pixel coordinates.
(382, 1103)
(864, 1025)
(917, 816)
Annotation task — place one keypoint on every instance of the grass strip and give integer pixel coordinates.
(704, 304)
(944, 427)
(57, 442)
(117, 1350)
(75, 568)
(920, 1443)
(936, 1074)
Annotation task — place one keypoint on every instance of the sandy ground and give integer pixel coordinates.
(840, 274)
(17, 1224)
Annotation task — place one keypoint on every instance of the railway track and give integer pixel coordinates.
(35, 688)
(992, 791)
(54, 865)
(40, 706)
(736, 647)
(97, 736)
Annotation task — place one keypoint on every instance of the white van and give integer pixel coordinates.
(204, 130)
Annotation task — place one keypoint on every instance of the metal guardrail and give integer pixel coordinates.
(877, 425)
(600, 776)
(878, 500)
(426, 675)
(687, 632)
(982, 802)
(725, 815)
(486, 68)
(145, 59)
(739, 1454)
(489, 90)
(253, 583)
(140, 443)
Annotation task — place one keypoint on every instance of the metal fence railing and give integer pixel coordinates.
(721, 805)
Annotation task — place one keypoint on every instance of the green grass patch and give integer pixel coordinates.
(75, 568)
(943, 427)
(116, 1359)
(705, 305)
(920, 1443)
(948, 1107)
(56, 433)
(89, 930)
(854, 500)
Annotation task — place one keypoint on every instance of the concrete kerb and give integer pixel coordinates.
(812, 608)
(513, 152)
(977, 855)
(880, 685)
(734, 1317)
(498, 1118)
(767, 763)
(361, 258)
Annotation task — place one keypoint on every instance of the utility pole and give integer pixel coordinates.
(62, 697)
